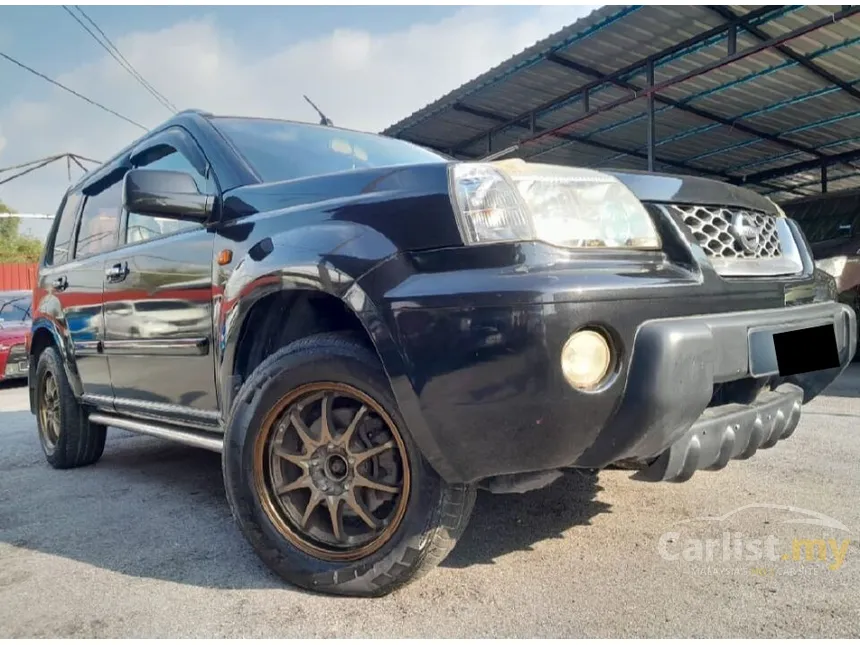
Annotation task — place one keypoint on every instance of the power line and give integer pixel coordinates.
(71, 91)
(137, 74)
(137, 77)
(121, 60)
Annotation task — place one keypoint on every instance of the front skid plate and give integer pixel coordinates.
(727, 432)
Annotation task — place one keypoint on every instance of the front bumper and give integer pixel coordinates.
(693, 399)
(490, 398)
(14, 368)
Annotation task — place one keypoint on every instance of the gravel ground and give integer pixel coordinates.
(142, 544)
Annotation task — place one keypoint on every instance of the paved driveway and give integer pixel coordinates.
(142, 544)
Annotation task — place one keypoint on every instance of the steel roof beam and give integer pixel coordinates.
(791, 191)
(727, 14)
(613, 148)
(821, 73)
(675, 80)
(616, 149)
(483, 82)
(585, 141)
(689, 109)
(734, 83)
(814, 182)
(803, 166)
(674, 49)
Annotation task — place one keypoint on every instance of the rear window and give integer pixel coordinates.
(283, 150)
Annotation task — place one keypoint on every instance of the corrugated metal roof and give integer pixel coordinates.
(772, 91)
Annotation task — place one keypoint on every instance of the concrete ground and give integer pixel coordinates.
(142, 544)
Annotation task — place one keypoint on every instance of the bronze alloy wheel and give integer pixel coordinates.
(49, 410)
(331, 471)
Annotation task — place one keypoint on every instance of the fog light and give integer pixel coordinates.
(586, 359)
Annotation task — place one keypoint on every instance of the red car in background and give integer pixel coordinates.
(15, 321)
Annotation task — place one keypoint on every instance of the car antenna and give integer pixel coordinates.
(324, 120)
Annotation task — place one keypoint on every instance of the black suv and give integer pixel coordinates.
(368, 330)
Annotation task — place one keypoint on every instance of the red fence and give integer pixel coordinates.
(17, 277)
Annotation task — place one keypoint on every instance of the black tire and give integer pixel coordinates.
(71, 440)
(435, 513)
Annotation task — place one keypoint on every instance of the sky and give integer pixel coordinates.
(366, 67)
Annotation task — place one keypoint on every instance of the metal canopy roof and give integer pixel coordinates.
(756, 95)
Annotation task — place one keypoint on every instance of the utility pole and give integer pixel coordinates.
(30, 166)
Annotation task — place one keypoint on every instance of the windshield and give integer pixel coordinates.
(12, 311)
(283, 150)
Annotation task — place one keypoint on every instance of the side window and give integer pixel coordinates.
(61, 251)
(142, 227)
(100, 221)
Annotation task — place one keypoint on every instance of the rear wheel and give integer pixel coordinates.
(68, 439)
(324, 479)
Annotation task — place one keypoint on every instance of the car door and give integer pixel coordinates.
(72, 279)
(158, 300)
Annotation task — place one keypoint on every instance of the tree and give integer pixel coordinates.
(15, 247)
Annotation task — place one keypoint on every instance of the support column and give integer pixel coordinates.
(652, 130)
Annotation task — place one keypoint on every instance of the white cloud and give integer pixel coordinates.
(360, 80)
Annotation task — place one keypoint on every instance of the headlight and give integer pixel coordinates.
(833, 266)
(513, 200)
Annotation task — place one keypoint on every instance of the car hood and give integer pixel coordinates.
(683, 189)
(647, 186)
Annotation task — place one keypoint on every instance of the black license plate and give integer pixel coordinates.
(806, 350)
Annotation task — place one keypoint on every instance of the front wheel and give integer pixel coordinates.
(68, 438)
(324, 479)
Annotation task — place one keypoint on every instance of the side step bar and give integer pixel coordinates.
(188, 437)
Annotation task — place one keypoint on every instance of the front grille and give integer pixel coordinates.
(718, 230)
(17, 353)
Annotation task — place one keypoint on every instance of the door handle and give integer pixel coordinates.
(117, 272)
(60, 284)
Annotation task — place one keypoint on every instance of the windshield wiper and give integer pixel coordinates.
(501, 153)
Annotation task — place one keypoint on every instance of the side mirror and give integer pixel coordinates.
(165, 193)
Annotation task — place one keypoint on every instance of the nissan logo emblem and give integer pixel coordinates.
(746, 232)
